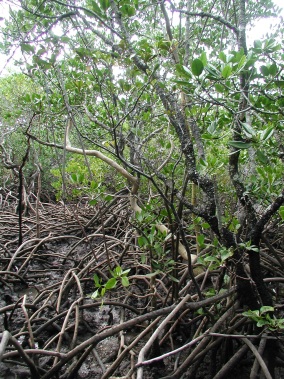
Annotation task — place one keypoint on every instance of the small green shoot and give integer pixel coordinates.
(118, 274)
(262, 317)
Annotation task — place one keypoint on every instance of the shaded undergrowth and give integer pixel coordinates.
(53, 328)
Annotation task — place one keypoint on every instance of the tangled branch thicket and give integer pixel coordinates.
(52, 328)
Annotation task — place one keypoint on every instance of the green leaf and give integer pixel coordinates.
(117, 271)
(197, 67)
(65, 39)
(74, 178)
(223, 57)
(205, 225)
(152, 274)
(111, 283)
(95, 7)
(104, 4)
(262, 322)
(281, 212)
(212, 127)
(213, 72)
(242, 62)
(81, 177)
(95, 294)
(273, 69)
(183, 83)
(262, 157)
(226, 72)
(267, 133)
(97, 281)
(125, 281)
(249, 131)
(142, 241)
(128, 10)
(203, 58)
(225, 254)
(252, 314)
(279, 83)
(143, 258)
(266, 308)
(257, 44)
(208, 258)
(173, 279)
(219, 88)
(200, 239)
(183, 71)
(108, 198)
(264, 70)
(88, 12)
(125, 272)
(27, 48)
(207, 136)
(239, 144)
(41, 63)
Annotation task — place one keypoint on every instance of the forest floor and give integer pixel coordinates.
(55, 329)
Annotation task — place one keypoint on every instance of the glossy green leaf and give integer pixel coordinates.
(225, 254)
(203, 58)
(111, 283)
(213, 72)
(249, 131)
(197, 67)
(266, 308)
(117, 271)
(183, 83)
(126, 272)
(226, 72)
(239, 144)
(262, 322)
(125, 281)
(242, 62)
(267, 133)
(183, 71)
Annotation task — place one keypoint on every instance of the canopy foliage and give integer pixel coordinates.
(165, 101)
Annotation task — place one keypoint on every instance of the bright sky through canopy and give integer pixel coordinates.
(258, 31)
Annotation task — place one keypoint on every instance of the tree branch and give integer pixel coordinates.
(210, 15)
